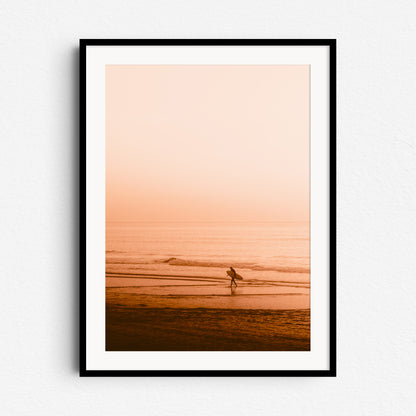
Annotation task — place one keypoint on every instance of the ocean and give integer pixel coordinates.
(271, 257)
(266, 250)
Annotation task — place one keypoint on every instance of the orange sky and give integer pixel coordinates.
(207, 143)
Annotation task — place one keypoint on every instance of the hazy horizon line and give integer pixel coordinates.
(205, 221)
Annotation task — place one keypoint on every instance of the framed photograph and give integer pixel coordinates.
(207, 207)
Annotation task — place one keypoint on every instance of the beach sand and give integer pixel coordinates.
(179, 313)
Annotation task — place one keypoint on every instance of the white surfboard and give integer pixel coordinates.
(237, 276)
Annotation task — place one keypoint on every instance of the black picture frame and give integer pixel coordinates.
(331, 44)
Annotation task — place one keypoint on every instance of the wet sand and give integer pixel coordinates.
(156, 313)
(164, 291)
(156, 329)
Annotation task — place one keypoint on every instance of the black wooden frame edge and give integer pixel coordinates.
(82, 209)
(332, 206)
(207, 373)
(208, 42)
(331, 372)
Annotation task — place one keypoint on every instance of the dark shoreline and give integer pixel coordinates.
(206, 329)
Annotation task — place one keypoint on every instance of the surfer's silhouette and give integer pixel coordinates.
(233, 275)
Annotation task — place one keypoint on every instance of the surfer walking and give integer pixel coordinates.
(233, 275)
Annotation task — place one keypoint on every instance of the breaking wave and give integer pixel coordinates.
(173, 261)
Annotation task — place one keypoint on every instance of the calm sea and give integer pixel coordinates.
(258, 251)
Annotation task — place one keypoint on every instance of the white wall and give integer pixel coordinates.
(376, 199)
